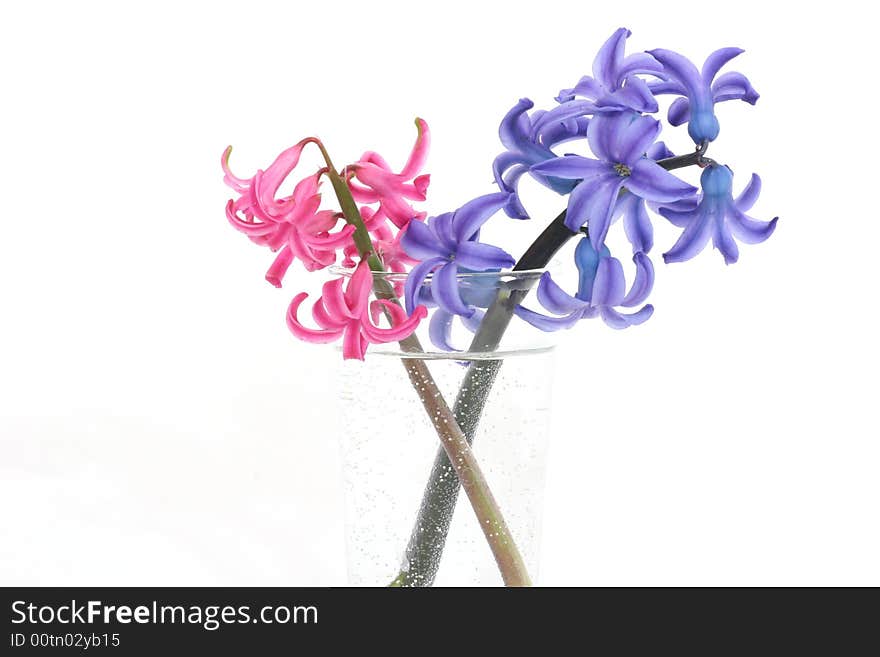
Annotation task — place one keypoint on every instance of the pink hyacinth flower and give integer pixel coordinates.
(349, 314)
(291, 225)
(379, 184)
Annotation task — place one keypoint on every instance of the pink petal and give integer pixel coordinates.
(354, 346)
(334, 300)
(358, 292)
(419, 152)
(240, 185)
(303, 333)
(280, 266)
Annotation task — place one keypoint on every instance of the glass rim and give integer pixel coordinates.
(339, 270)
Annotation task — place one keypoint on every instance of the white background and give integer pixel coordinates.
(159, 425)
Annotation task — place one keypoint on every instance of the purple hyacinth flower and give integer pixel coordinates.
(612, 87)
(601, 289)
(717, 215)
(448, 242)
(700, 90)
(525, 147)
(620, 142)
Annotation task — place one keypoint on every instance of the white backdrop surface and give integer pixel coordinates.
(159, 425)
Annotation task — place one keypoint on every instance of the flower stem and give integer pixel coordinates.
(428, 538)
(455, 445)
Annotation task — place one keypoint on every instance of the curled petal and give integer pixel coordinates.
(309, 335)
(416, 279)
(609, 287)
(440, 330)
(618, 320)
(511, 130)
(279, 266)
(682, 69)
(555, 299)
(444, 287)
(358, 291)
(724, 242)
(398, 331)
(419, 152)
(609, 58)
(468, 219)
(734, 86)
(679, 111)
(546, 323)
(749, 195)
(240, 185)
(643, 283)
(692, 240)
(636, 223)
(716, 60)
(749, 230)
(334, 300)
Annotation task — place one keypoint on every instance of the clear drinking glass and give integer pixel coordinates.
(406, 520)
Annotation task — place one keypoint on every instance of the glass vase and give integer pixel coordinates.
(407, 521)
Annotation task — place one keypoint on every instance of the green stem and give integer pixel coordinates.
(454, 443)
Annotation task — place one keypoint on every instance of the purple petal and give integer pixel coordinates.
(569, 110)
(679, 111)
(510, 131)
(667, 87)
(473, 322)
(654, 183)
(680, 217)
(514, 208)
(734, 86)
(609, 287)
(586, 87)
(640, 62)
(749, 195)
(444, 286)
(749, 230)
(636, 223)
(504, 162)
(682, 69)
(618, 320)
(636, 138)
(468, 219)
(575, 167)
(659, 151)
(564, 131)
(604, 132)
(416, 279)
(609, 58)
(643, 283)
(716, 60)
(440, 330)
(723, 240)
(635, 95)
(692, 240)
(421, 243)
(592, 201)
(555, 299)
(546, 323)
(480, 257)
